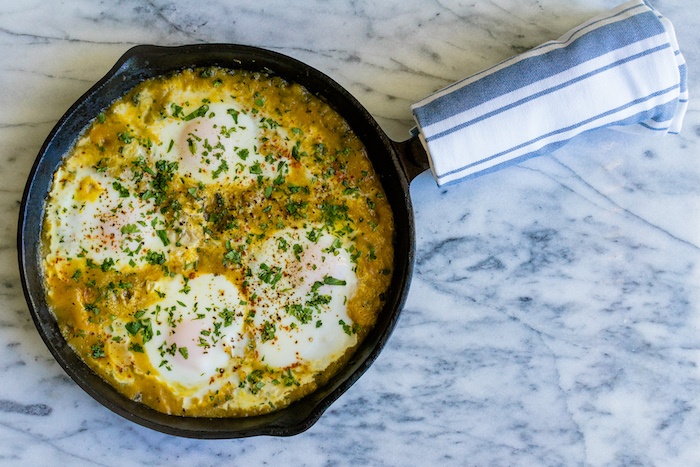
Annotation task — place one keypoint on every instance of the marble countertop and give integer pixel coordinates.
(554, 314)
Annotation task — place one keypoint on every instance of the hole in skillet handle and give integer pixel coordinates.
(395, 163)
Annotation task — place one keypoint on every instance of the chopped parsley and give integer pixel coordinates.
(176, 110)
(123, 192)
(199, 112)
(243, 153)
(298, 250)
(163, 235)
(288, 378)
(160, 184)
(76, 275)
(192, 145)
(282, 244)
(125, 137)
(270, 275)
(332, 213)
(107, 264)
(255, 381)
(255, 169)
(234, 114)
(133, 327)
(349, 330)
(233, 257)
(297, 208)
(142, 326)
(98, 350)
(328, 280)
(130, 228)
(227, 315)
(304, 315)
(222, 168)
(155, 257)
(268, 331)
(92, 308)
(259, 99)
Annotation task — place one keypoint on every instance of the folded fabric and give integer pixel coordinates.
(620, 69)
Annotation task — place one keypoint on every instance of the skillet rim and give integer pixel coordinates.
(141, 62)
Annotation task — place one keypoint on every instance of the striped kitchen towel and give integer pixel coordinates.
(620, 69)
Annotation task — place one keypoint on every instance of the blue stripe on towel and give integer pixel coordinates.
(558, 43)
(641, 116)
(525, 72)
(544, 92)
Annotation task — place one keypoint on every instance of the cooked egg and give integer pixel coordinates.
(96, 216)
(302, 289)
(198, 334)
(220, 146)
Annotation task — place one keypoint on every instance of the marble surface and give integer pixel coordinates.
(554, 314)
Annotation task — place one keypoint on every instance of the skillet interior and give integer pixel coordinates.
(143, 62)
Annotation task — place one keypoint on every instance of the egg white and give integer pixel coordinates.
(198, 334)
(302, 288)
(221, 146)
(112, 226)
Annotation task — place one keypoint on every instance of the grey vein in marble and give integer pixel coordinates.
(553, 316)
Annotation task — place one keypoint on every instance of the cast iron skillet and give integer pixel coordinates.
(396, 163)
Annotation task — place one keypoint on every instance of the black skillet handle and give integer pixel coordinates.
(413, 157)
